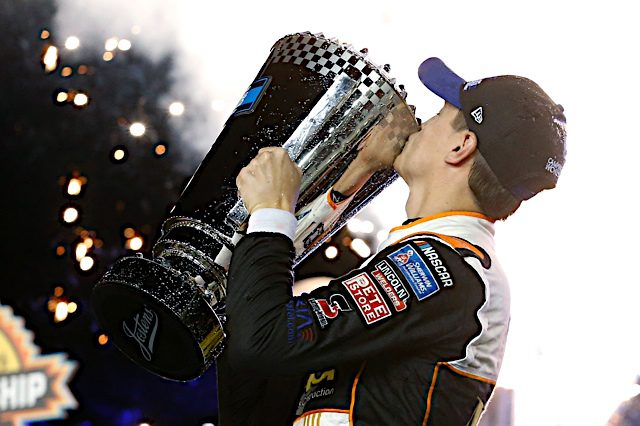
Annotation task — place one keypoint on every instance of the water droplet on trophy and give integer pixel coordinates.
(413, 108)
(386, 67)
(364, 51)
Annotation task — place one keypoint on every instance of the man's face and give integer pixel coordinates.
(425, 150)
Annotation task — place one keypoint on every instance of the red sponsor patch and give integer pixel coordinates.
(367, 297)
(398, 303)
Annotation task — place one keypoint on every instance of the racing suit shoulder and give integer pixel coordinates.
(417, 295)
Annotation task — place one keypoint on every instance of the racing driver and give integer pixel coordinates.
(416, 335)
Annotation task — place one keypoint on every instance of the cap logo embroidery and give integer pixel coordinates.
(477, 115)
(553, 167)
(471, 84)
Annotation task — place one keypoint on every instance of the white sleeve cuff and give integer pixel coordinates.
(273, 220)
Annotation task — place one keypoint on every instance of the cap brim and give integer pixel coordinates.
(438, 78)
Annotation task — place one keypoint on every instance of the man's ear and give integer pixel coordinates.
(466, 146)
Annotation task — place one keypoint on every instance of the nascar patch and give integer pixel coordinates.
(416, 271)
(436, 262)
(367, 297)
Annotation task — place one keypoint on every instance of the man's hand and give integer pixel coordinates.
(377, 152)
(270, 180)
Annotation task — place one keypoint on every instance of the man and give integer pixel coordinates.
(417, 334)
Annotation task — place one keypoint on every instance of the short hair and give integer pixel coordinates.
(493, 199)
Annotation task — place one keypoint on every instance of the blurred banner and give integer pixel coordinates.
(33, 387)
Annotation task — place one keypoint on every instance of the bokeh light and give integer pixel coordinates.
(361, 248)
(58, 291)
(81, 251)
(103, 339)
(119, 154)
(86, 263)
(137, 129)
(176, 108)
(160, 149)
(66, 71)
(134, 243)
(72, 307)
(129, 233)
(331, 252)
(61, 97)
(60, 250)
(70, 214)
(80, 99)
(107, 56)
(124, 44)
(62, 311)
(50, 58)
(88, 242)
(111, 44)
(359, 226)
(74, 187)
(44, 34)
(72, 43)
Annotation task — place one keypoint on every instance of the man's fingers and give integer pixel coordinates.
(270, 149)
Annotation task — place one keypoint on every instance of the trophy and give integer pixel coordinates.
(315, 97)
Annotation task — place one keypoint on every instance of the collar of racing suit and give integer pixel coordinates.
(472, 226)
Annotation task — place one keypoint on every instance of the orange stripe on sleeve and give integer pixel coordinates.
(353, 393)
(430, 394)
(469, 375)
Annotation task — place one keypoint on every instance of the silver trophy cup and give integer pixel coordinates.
(318, 99)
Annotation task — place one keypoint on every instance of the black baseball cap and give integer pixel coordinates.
(520, 130)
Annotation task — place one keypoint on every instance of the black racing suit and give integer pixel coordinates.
(372, 348)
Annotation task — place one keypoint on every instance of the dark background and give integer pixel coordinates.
(42, 145)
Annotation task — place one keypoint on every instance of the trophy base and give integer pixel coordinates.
(158, 318)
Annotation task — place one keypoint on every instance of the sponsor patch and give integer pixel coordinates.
(416, 271)
(329, 309)
(367, 297)
(317, 386)
(440, 268)
(392, 285)
(299, 321)
(252, 96)
(314, 235)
